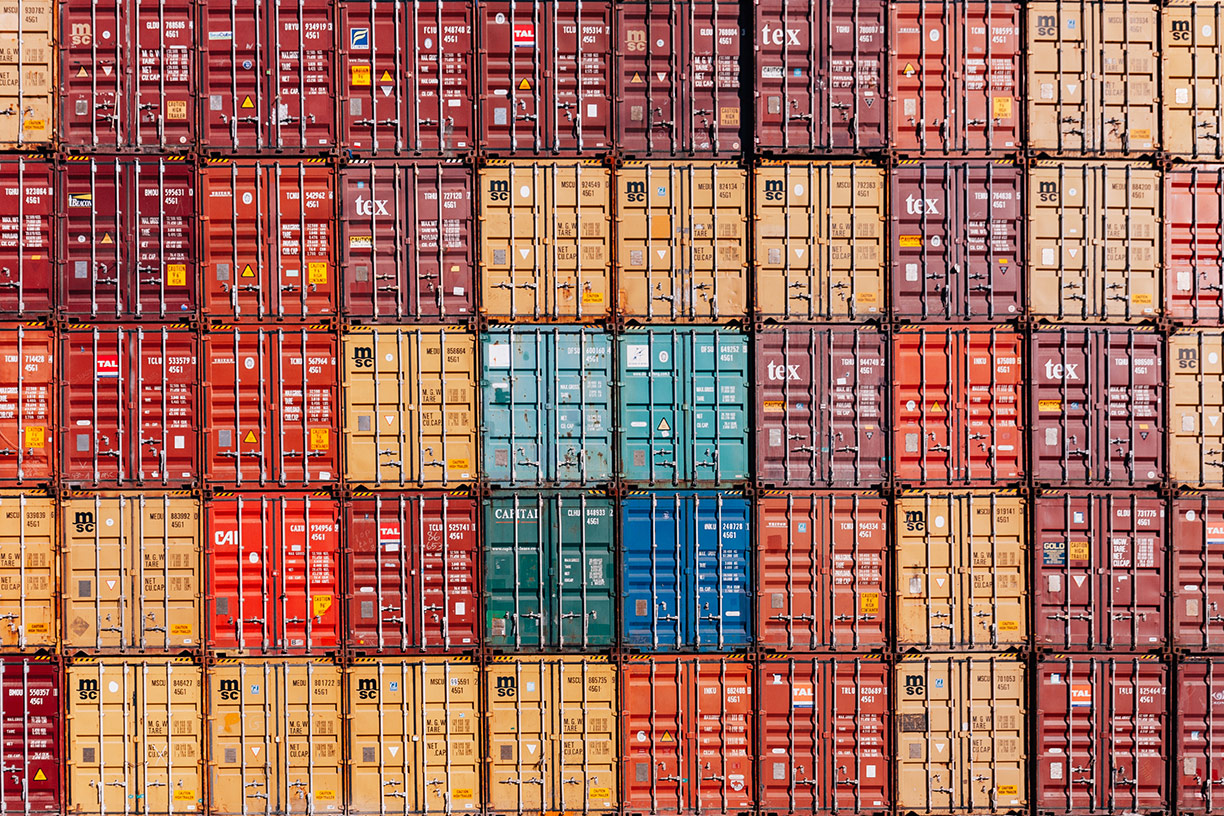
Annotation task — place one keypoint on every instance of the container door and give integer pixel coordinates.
(309, 733)
(584, 736)
(656, 716)
(29, 568)
(32, 743)
(582, 573)
(27, 438)
(656, 580)
(26, 275)
(719, 544)
(1194, 243)
(308, 583)
(99, 556)
(521, 697)
(1196, 395)
(244, 750)
(243, 536)
(518, 556)
(1198, 588)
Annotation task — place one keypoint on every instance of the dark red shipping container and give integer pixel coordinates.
(127, 75)
(1099, 581)
(1200, 735)
(1097, 402)
(1194, 243)
(268, 232)
(271, 407)
(407, 238)
(27, 419)
(131, 409)
(32, 724)
(128, 246)
(820, 69)
(406, 77)
(411, 573)
(677, 66)
(1197, 580)
(821, 572)
(27, 227)
(1102, 729)
(273, 566)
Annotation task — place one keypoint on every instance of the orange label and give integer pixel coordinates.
(176, 274)
(1049, 405)
(1142, 298)
(457, 464)
(1140, 133)
(320, 439)
(316, 272)
(865, 297)
(360, 74)
(601, 793)
(869, 603)
(1001, 107)
(774, 407)
(37, 628)
(911, 240)
(320, 604)
(1009, 626)
(1008, 790)
(327, 795)
(729, 117)
(180, 629)
(35, 436)
(176, 109)
(184, 795)
(36, 124)
(461, 793)
(1077, 550)
(592, 297)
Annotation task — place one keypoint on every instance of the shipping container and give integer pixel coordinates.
(29, 576)
(411, 573)
(821, 570)
(1099, 580)
(961, 570)
(409, 406)
(820, 233)
(275, 737)
(1093, 77)
(820, 78)
(1102, 726)
(1097, 401)
(552, 735)
(682, 240)
(135, 736)
(414, 736)
(270, 407)
(27, 70)
(545, 241)
(1199, 696)
(1192, 108)
(1197, 540)
(1194, 243)
(273, 573)
(406, 78)
(957, 410)
(33, 723)
(685, 571)
(27, 231)
(961, 725)
(826, 741)
(1196, 403)
(128, 239)
(133, 572)
(127, 75)
(1094, 251)
(546, 401)
(683, 406)
(545, 77)
(27, 404)
(548, 571)
(406, 243)
(954, 76)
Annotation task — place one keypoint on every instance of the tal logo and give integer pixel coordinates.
(107, 365)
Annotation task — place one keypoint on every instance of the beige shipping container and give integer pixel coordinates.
(546, 240)
(1094, 241)
(1196, 407)
(132, 573)
(1192, 109)
(29, 589)
(820, 240)
(1092, 77)
(961, 734)
(552, 734)
(409, 406)
(27, 63)
(275, 737)
(414, 736)
(135, 735)
(682, 241)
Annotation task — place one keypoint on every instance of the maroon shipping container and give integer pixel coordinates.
(268, 76)
(407, 238)
(1200, 736)
(273, 573)
(32, 724)
(27, 224)
(1194, 243)
(27, 421)
(1102, 725)
(405, 77)
(821, 572)
(268, 232)
(955, 74)
(825, 735)
(271, 407)
(545, 76)
(1099, 580)
(677, 66)
(956, 242)
(1197, 581)
(820, 86)
(131, 410)
(127, 74)
(128, 246)
(411, 572)
(1097, 407)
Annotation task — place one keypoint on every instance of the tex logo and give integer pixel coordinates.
(106, 365)
(359, 38)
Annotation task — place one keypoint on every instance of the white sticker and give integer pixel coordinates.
(911, 271)
(1181, 95)
(637, 356)
(1047, 256)
(499, 355)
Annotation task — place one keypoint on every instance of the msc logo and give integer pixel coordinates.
(83, 521)
(1047, 191)
(635, 40)
(367, 689)
(82, 33)
(1181, 29)
(1047, 25)
(1187, 358)
(499, 190)
(506, 686)
(230, 690)
(359, 38)
(775, 190)
(363, 357)
(87, 689)
(915, 685)
(915, 520)
(635, 191)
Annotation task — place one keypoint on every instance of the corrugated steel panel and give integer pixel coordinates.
(33, 724)
(27, 232)
(29, 575)
(27, 71)
(1196, 406)
(1194, 243)
(1199, 736)
(27, 404)
(1197, 585)
(1192, 107)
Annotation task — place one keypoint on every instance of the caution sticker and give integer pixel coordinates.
(592, 297)
(1078, 550)
(180, 629)
(1001, 107)
(729, 117)
(524, 85)
(865, 297)
(1008, 790)
(457, 464)
(247, 103)
(37, 629)
(176, 109)
(911, 240)
(869, 603)
(385, 77)
(184, 795)
(1049, 405)
(359, 74)
(461, 793)
(250, 438)
(774, 407)
(319, 604)
(176, 274)
(316, 272)
(1141, 299)
(601, 793)
(320, 439)
(35, 124)
(325, 795)
(248, 272)
(1009, 626)
(35, 436)
(664, 426)
(909, 70)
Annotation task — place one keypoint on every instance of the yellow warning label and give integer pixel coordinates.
(329, 795)
(35, 124)
(249, 438)
(106, 238)
(184, 795)
(457, 464)
(1001, 107)
(909, 70)
(1008, 790)
(1049, 405)
(180, 629)
(869, 603)
(663, 425)
(37, 629)
(865, 297)
(601, 793)
(1140, 133)
(667, 737)
(320, 438)
(35, 437)
(936, 408)
(1077, 550)
(461, 793)
(592, 297)
(316, 272)
(176, 274)
(728, 117)
(320, 604)
(39, 776)
(247, 103)
(176, 109)
(1142, 298)
(81, 72)
(636, 77)
(360, 74)
(386, 77)
(774, 407)
(524, 85)
(248, 272)
(1009, 626)
(911, 240)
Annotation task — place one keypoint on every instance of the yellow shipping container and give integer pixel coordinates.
(27, 71)
(1196, 408)
(1192, 105)
(28, 581)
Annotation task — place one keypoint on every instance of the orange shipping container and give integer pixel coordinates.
(1192, 105)
(28, 585)
(1196, 408)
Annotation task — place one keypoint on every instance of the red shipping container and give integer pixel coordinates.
(687, 735)
(677, 66)
(1099, 581)
(821, 77)
(268, 230)
(131, 409)
(33, 721)
(1200, 736)
(822, 562)
(407, 238)
(27, 421)
(27, 224)
(273, 566)
(268, 76)
(128, 245)
(1194, 243)
(545, 76)
(956, 406)
(405, 78)
(411, 573)
(1098, 407)
(1197, 581)
(271, 407)
(127, 75)
(825, 735)
(1102, 726)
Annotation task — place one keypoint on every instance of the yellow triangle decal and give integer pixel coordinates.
(249, 438)
(386, 77)
(247, 272)
(667, 737)
(524, 85)
(106, 239)
(935, 409)
(39, 776)
(663, 426)
(247, 103)
(909, 69)
(81, 73)
(636, 77)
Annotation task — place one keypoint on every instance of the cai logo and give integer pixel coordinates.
(359, 38)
